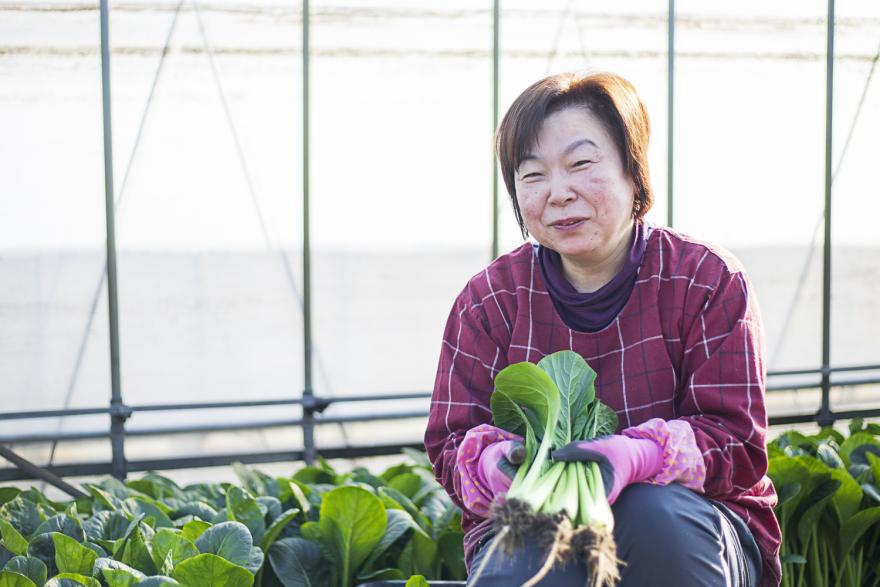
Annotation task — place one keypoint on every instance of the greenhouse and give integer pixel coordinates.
(353, 294)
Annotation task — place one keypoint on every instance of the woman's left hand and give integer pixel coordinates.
(621, 459)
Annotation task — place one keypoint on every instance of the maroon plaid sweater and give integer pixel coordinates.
(687, 345)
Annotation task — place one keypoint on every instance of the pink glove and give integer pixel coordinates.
(498, 464)
(622, 460)
(483, 468)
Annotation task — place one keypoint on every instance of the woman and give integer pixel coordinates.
(668, 323)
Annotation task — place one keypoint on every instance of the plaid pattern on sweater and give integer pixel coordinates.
(687, 346)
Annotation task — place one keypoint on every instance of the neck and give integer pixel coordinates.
(587, 276)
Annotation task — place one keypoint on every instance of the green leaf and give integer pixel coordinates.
(43, 547)
(7, 494)
(417, 581)
(158, 581)
(71, 579)
(210, 570)
(299, 563)
(575, 381)
(813, 507)
(169, 542)
(848, 498)
(12, 539)
(29, 566)
(425, 553)
(854, 528)
(406, 483)
(606, 420)
(874, 464)
(118, 578)
(229, 540)
(136, 554)
(398, 523)
(71, 556)
(24, 515)
(451, 547)
(276, 528)
(854, 448)
(193, 529)
(256, 482)
(150, 508)
(393, 499)
(11, 579)
(104, 563)
(271, 506)
(195, 508)
(102, 497)
(241, 507)
(795, 559)
(64, 525)
(296, 493)
(531, 389)
(352, 521)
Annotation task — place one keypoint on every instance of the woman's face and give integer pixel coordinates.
(573, 192)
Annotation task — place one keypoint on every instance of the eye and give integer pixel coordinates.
(531, 175)
(582, 162)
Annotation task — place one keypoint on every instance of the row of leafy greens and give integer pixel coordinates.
(317, 527)
(829, 505)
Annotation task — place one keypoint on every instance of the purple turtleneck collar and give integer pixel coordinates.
(590, 312)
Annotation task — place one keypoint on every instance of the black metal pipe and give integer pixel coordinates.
(117, 418)
(36, 472)
(496, 44)
(670, 112)
(308, 389)
(825, 418)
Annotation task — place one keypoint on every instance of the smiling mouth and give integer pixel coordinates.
(568, 223)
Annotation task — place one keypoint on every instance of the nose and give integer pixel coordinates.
(561, 192)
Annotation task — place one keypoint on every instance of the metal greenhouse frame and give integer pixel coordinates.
(825, 376)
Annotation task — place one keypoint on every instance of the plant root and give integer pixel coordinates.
(595, 547)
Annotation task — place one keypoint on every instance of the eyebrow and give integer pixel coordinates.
(566, 151)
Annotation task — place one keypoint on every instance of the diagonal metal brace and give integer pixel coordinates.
(39, 472)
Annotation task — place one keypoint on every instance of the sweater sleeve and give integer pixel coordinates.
(722, 387)
(469, 361)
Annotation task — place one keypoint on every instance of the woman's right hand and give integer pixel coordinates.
(498, 464)
(486, 463)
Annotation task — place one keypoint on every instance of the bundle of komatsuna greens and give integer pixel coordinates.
(560, 507)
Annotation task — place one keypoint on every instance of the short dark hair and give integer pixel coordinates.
(611, 98)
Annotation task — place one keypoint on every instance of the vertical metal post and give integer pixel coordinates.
(117, 409)
(308, 424)
(670, 111)
(825, 417)
(496, 22)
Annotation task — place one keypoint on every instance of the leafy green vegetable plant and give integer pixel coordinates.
(562, 504)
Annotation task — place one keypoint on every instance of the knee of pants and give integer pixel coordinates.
(652, 530)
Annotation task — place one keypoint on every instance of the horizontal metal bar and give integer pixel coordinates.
(209, 427)
(819, 370)
(818, 383)
(82, 469)
(808, 418)
(214, 405)
(54, 413)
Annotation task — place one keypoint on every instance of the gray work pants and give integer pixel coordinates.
(667, 535)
